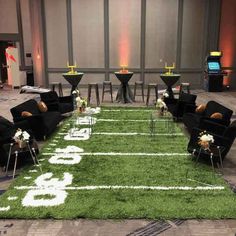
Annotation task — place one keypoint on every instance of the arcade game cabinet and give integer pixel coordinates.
(213, 80)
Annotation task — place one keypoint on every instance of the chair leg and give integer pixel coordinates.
(14, 171)
(111, 93)
(97, 95)
(156, 92)
(142, 92)
(89, 94)
(134, 91)
(148, 94)
(60, 90)
(103, 89)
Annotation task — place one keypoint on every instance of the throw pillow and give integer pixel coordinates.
(216, 115)
(26, 114)
(200, 109)
(42, 106)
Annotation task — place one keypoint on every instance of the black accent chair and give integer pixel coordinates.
(193, 119)
(177, 107)
(224, 136)
(42, 124)
(55, 103)
(7, 132)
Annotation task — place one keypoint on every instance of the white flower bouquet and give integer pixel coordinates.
(160, 104)
(205, 140)
(21, 137)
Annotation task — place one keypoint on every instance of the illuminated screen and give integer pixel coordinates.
(214, 65)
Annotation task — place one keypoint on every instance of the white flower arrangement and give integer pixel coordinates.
(81, 102)
(21, 135)
(205, 140)
(160, 104)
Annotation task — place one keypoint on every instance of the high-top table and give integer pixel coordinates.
(124, 94)
(170, 80)
(73, 79)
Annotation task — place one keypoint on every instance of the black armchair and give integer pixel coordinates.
(177, 107)
(42, 124)
(55, 103)
(193, 119)
(224, 137)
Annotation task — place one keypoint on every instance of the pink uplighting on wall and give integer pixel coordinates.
(227, 42)
(124, 49)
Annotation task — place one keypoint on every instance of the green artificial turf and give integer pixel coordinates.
(176, 169)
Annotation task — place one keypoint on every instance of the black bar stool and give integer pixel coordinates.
(95, 86)
(107, 88)
(54, 85)
(139, 84)
(152, 86)
(184, 86)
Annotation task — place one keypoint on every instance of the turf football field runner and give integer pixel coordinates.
(119, 171)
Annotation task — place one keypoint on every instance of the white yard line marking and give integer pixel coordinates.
(5, 208)
(109, 187)
(124, 154)
(138, 110)
(122, 120)
(132, 134)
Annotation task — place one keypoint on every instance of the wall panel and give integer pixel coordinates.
(88, 33)
(193, 33)
(56, 32)
(227, 40)
(8, 22)
(161, 32)
(25, 15)
(124, 29)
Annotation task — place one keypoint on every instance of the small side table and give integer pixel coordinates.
(213, 152)
(14, 149)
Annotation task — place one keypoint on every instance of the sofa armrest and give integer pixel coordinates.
(53, 106)
(217, 121)
(212, 126)
(66, 99)
(190, 108)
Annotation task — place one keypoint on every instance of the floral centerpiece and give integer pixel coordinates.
(21, 137)
(161, 106)
(205, 140)
(80, 103)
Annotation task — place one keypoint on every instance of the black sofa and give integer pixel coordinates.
(55, 103)
(177, 107)
(193, 119)
(42, 124)
(224, 136)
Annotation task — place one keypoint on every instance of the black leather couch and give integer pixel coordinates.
(193, 119)
(224, 136)
(42, 124)
(55, 103)
(177, 107)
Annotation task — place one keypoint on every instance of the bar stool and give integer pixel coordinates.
(54, 84)
(107, 88)
(152, 86)
(139, 84)
(184, 86)
(95, 86)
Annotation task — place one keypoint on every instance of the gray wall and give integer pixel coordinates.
(101, 35)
